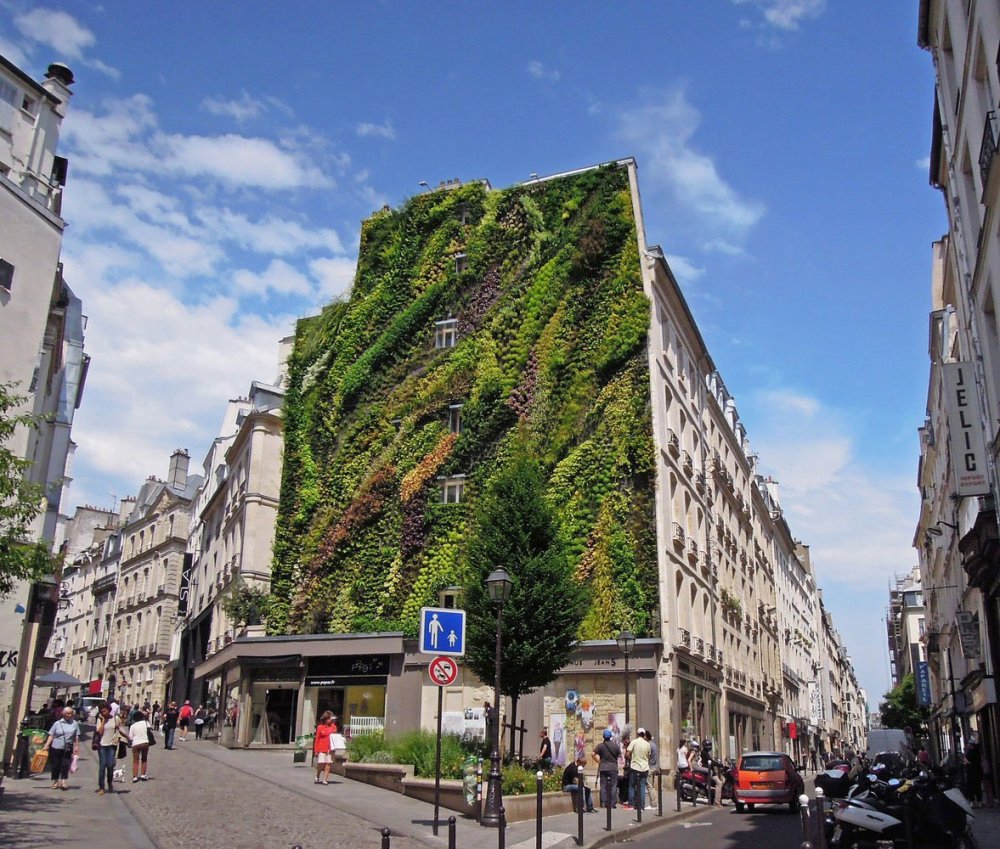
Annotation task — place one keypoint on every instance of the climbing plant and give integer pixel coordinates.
(476, 315)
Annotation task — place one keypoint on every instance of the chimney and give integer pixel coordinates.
(58, 79)
(125, 509)
(177, 478)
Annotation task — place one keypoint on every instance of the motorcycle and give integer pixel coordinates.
(881, 812)
(696, 782)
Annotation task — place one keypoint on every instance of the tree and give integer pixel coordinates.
(21, 558)
(514, 528)
(900, 708)
(246, 605)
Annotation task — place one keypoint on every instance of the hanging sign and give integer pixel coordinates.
(968, 449)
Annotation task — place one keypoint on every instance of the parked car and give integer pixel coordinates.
(767, 778)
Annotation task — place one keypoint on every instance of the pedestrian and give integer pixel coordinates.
(681, 759)
(654, 768)
(624, 769)
(157, 715)
(184, 719)
(638, 751)
(606, 753)
(63, 743)
(109, 732)
(114, 705)
(210, 720)
(199, 722)
(139, 733)
(490, 717)
(545, 750)
(987, 780)
(322, 749)
(571, 784)
(974, 773)
(170, 718)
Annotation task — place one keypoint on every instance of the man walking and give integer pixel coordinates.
(545, 750)
(639, 750)
(654, 766)
(170, 718)
(184, 720)
(606, 753)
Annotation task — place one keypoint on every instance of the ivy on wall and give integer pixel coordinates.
(544, 283)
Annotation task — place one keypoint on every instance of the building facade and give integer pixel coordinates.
(957, 531)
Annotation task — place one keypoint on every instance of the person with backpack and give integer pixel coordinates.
(606, 754)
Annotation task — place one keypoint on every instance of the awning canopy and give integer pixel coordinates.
(58, 678)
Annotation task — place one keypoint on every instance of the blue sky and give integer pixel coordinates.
(223, 155)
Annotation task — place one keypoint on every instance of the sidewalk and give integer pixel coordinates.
(413, 818)
(33, 815)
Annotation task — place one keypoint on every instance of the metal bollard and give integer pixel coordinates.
(538, 808)
(581, 793)
(385, 838)
(659, 793)
(502, 830)
(805, 820)
(637, 796)
(819, 819)
(610, 799)
(451, 832)
(677, 789)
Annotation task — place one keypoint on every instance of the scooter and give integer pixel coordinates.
(695, 782)
(917, 814)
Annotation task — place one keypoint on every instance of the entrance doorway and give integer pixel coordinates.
(273, 710)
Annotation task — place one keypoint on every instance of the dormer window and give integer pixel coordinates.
(446, 333)
(453, 489)
(455, 418)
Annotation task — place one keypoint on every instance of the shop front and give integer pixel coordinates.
(699, 700)
(352, 688)
(747, 726)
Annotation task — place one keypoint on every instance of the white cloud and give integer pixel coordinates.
(923, 164)
(541, 72)
(684, 270)
(269, 235)
(662, 133)
(279, 277)
(857, 521)
(786, 14)
(13, 52)
(57, 30)
(382, 131)
(335, 275)
(240, 109)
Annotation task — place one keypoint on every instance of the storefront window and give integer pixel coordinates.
(273, 713)
(699, 708)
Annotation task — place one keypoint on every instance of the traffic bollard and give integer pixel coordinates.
(677, 790)
(659, 793)
(819, 819)
(451, 832)
(502, 830)
(538, 808)
(385, 838)
(640, 802)
(581, 798)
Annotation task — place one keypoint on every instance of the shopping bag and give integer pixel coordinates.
(122, 750)
(39, 761)
(74, 764)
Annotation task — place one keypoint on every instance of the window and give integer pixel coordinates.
(461, 263)
(446, 333)
(455, 418)
(6, 275)
(453, 490)
(8, 93)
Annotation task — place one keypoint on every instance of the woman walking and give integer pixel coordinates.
(322, 748)
(63, 744)
(108, 732)
(139, 733)
(199, 722)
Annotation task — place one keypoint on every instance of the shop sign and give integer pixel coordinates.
(923, 683)
(968, 634)
(340, 680)
(968, 449)
(371, 665)
(815, 703)
(984, 694)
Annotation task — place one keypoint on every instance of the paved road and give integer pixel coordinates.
(725, 829)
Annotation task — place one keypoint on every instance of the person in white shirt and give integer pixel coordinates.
(139, 733)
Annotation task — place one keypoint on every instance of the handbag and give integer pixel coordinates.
(150, 736)
(122, 750)
(95, 741)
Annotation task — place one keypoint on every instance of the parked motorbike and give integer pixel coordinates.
(696, 782)
(884, 812)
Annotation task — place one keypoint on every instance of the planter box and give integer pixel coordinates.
(400, 779)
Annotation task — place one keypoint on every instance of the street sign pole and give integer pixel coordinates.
(437, 763)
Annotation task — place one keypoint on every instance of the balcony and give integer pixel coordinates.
(687, 463)
(692, 549)
(987, 150)
(685, 638)
(673, 443)
(679, 535)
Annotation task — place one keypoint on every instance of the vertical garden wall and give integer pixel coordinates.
(477, 317)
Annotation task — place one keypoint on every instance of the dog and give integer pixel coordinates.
(119, 774)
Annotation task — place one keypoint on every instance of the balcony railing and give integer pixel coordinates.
(987, 149)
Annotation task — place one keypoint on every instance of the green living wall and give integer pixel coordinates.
(543, 281)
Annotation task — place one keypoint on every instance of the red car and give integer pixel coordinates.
(767, 778)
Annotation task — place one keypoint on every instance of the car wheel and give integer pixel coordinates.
(793, 806)
(749, 806)
(739, 807)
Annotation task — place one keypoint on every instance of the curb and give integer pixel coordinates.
(623, 835)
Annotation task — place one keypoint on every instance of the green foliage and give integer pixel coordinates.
(245, 604)
(515, 529)
(899, 708)
(415, 747)
(515, 780)
(21, 558)
(552, 325)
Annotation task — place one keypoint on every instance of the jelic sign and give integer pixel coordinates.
(968, 450)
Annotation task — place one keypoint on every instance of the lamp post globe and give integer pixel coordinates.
(499, 586)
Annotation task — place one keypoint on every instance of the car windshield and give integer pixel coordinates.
(762, 763)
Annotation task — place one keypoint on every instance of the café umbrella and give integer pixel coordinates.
(58, 679)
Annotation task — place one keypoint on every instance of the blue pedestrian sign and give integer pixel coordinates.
(442, 631)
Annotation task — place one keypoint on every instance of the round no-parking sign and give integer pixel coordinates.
(443, 671)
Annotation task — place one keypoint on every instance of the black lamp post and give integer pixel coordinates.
(499, 585)
(626, 642)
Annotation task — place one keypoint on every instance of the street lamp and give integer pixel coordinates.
(499, 585)
(626, 642)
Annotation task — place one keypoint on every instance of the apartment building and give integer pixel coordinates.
(957, 529)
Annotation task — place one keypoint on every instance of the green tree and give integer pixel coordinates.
(246, 605)
(21, 558)
(899, 709)
(515, 528)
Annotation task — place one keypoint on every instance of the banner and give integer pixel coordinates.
(923, 683)
(968, 449)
